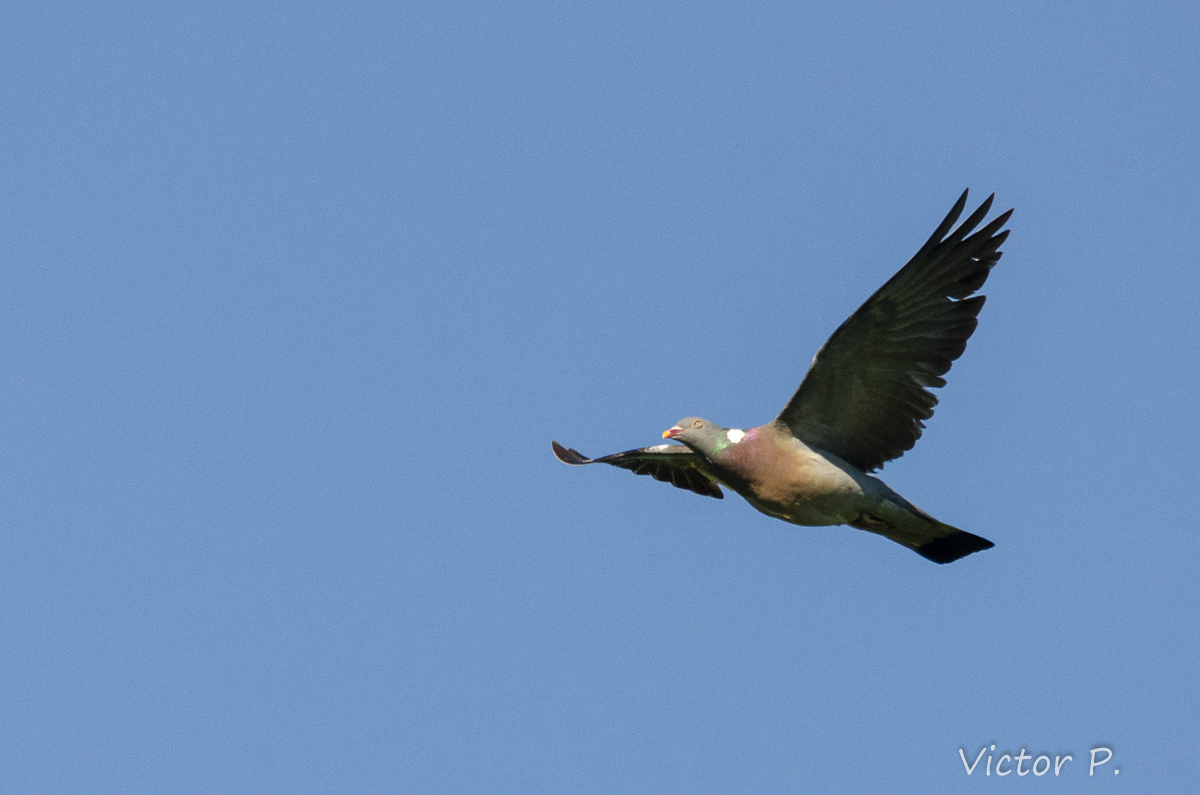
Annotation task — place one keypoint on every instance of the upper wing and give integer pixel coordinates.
(865, 394)
(672, 463)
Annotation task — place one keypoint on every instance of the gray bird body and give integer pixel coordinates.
(785, 478)
(861, 404)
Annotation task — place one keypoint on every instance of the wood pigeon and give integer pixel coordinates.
(862, 403)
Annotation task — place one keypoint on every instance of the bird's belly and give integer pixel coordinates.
(799, 512)
(815, 493)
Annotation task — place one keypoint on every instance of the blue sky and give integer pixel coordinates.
(297, 295)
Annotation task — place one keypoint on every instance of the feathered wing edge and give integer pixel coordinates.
(867, 391)
(670, 463)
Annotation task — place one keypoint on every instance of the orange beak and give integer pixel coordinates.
(671, 433)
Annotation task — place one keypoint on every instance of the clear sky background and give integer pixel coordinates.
(295, 297)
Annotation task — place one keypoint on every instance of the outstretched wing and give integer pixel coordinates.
(866, 393)
(670, 463)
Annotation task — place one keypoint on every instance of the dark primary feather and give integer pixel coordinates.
(867, 391)
(670, 463)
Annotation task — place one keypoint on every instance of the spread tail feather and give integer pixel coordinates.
(956, 544)
(920, 532)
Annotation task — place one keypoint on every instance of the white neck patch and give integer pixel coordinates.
(735, 435)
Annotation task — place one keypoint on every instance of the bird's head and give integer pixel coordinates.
(700, 435)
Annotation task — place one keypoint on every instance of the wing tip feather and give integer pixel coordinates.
(568, 455)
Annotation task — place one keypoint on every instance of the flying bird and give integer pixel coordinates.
(862, 403)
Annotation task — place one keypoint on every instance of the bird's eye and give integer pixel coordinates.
(697, 423)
